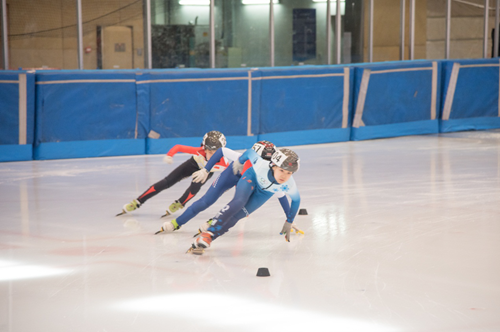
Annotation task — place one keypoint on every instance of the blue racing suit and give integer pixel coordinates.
(224, 182)
(253, 189)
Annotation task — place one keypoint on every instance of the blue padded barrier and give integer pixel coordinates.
(17, 115)
(188, 103)
(305, 105)
(396, 99)
(94, 113)
(470, 95)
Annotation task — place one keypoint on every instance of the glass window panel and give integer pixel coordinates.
(466, 29)
(113, 34)
(242, 34)
(180, 34)
(300, 33)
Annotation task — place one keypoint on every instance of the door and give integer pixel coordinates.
(116, 47)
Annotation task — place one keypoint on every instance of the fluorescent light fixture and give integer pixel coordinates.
(245, 313)
(194, 2)
(333, 6)
(257, 2)
(14, 270)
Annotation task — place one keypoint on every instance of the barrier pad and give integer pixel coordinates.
(471, 95)
(396, 99)
(90, 148)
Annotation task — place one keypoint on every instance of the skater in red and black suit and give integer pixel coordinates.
(212, 141)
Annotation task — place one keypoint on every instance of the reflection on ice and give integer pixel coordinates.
(330, 218)
(245, 314)
(10, 270)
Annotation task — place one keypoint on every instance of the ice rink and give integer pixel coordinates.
(402, 234)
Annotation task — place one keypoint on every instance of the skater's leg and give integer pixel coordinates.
(220, 185)
(181, 172)
(244, 189)
(256, 200)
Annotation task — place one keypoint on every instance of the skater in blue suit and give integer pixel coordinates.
(255, 187)
(225, 181)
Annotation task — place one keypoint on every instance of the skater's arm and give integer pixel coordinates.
(183, 148)
(217, 162)
(284, 202)
(293, 192)
(249, 155)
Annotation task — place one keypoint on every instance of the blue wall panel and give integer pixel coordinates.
(75, 106)
(193, 102)
(470, 95)
(17, 115)
(396, 99)
(306, 98)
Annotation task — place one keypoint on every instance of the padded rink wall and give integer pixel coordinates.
(76, 114)
(396, 99)
(471, 95)
(17, 115)
(88, 114)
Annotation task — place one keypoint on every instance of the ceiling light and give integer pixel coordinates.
(257, 2)
(194, 2)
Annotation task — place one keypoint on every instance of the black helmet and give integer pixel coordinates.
(265, 149)
(213, 140)
(286, 159)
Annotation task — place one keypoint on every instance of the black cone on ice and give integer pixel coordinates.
(263, 272)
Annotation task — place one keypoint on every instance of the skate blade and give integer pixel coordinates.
(197, 234)
(299, 232)
(121, 213)
(166, 215)
(195, 251)
(159, 232)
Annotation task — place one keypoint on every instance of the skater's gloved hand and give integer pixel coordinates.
(286, 230)
(200, 176)
(168, 159)
(296, 229)
(237, 167)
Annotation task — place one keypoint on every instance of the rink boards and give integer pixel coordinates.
(96, 113)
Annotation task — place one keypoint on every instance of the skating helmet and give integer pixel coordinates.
(265, 149)
(286, 159)
(214, 140)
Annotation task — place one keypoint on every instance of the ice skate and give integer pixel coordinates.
(195, 250)
(169, 227)
(173, 208)
(201, 243)
(204, 227)
(127, 208)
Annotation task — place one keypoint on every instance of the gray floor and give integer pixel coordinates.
(401, 234)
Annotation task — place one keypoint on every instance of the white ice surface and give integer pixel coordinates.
(401, 234)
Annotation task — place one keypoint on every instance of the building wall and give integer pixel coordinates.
(386, 30)
(43, 33)
(467, 29)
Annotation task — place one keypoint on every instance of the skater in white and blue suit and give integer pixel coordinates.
(225, 181)
(256, 186)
